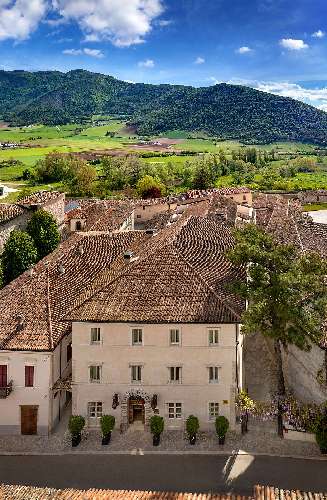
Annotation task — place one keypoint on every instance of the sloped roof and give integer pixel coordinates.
(179, 275)
(32, 306)
(9, 211)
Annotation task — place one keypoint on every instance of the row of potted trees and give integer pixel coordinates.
(107, 423)
(192, 428)
(77, 423)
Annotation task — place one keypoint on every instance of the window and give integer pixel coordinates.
(69, 352)
(136, 373)
(95, 335)
(213, 335)
(244, 197)
(95, 373)
(29, 376)
(175, 374)
(213, 411)
(174, 337)
(78, 225)
(137, 336)
(174, 410)
(94, 409)
(3, 376)
(213, 374)
(138, 216)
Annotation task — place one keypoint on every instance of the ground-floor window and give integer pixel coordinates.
(213, 410)
(174, 410)
(94, 409)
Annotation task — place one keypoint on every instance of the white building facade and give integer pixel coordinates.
(172, 369)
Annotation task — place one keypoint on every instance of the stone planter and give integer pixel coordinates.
(221, 440)
(192, 439)
(106, 439)
(156, 439)
(76, 439)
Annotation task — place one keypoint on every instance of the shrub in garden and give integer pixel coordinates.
(222, 426)
(192, 427)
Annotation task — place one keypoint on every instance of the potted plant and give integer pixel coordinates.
(107, 423)
(192, 427)
(222, 426)
(156, 427)
(75, 425)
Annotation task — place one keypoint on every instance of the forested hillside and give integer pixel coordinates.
(224, 111)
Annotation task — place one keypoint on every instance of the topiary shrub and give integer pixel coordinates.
(107, 423)
(192, 425)
(157, 425)
(76, 424)
(222, 426)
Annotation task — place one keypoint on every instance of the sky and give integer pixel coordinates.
(278, 46)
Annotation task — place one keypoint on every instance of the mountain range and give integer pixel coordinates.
(223, 111)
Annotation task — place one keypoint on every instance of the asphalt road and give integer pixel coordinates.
(193, 473)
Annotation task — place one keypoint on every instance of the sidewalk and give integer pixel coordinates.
(257, 441)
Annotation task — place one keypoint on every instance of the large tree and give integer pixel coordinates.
(18, 255)
(42, 227)
(286, 292)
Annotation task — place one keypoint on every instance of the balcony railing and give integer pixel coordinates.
(5, 391)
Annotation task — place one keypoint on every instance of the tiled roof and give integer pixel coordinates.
(40, 197)
(9, 211)
(31, 493)
(14, 492)
(273, 493)
(179, 275)
(102, 215)
(32, 306)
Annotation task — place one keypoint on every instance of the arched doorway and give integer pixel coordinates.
(136, 410)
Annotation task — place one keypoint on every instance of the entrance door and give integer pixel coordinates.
(28, 419)
(136, 411)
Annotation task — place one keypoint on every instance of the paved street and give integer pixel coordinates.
(194, 473)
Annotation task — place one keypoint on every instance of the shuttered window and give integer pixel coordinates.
(29, 376)
(3, 376)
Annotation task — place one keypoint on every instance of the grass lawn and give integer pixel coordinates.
(311, 207)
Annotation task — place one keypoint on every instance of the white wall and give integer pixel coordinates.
(38, 395)
(116, 354)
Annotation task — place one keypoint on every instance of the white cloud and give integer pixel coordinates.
(72, 52)
(93, 53)
(123, 23)
(318, 34)
(316, 97)
(165, 22)
(199, 60)
(88, 52)
(244, 50)
(292, 44)
(19, 18)
(148, 63)
(214, 80)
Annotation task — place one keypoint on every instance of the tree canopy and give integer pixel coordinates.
(18, 255)
(286, 291)
(42, 228)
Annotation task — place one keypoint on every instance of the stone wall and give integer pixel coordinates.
(19, 222)
(56, 207)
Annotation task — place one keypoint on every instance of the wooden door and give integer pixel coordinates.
(28, 418)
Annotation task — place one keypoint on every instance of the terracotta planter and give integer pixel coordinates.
(106, 439)
(156, 439)
(76, 439)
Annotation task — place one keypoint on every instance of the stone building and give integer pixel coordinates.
(159, 332)
(16, 216)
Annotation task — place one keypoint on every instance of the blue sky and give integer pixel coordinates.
(275, 45)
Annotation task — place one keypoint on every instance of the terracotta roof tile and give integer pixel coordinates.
(9, 211)
(40, 197)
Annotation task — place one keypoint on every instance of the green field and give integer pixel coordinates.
(41, 140)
